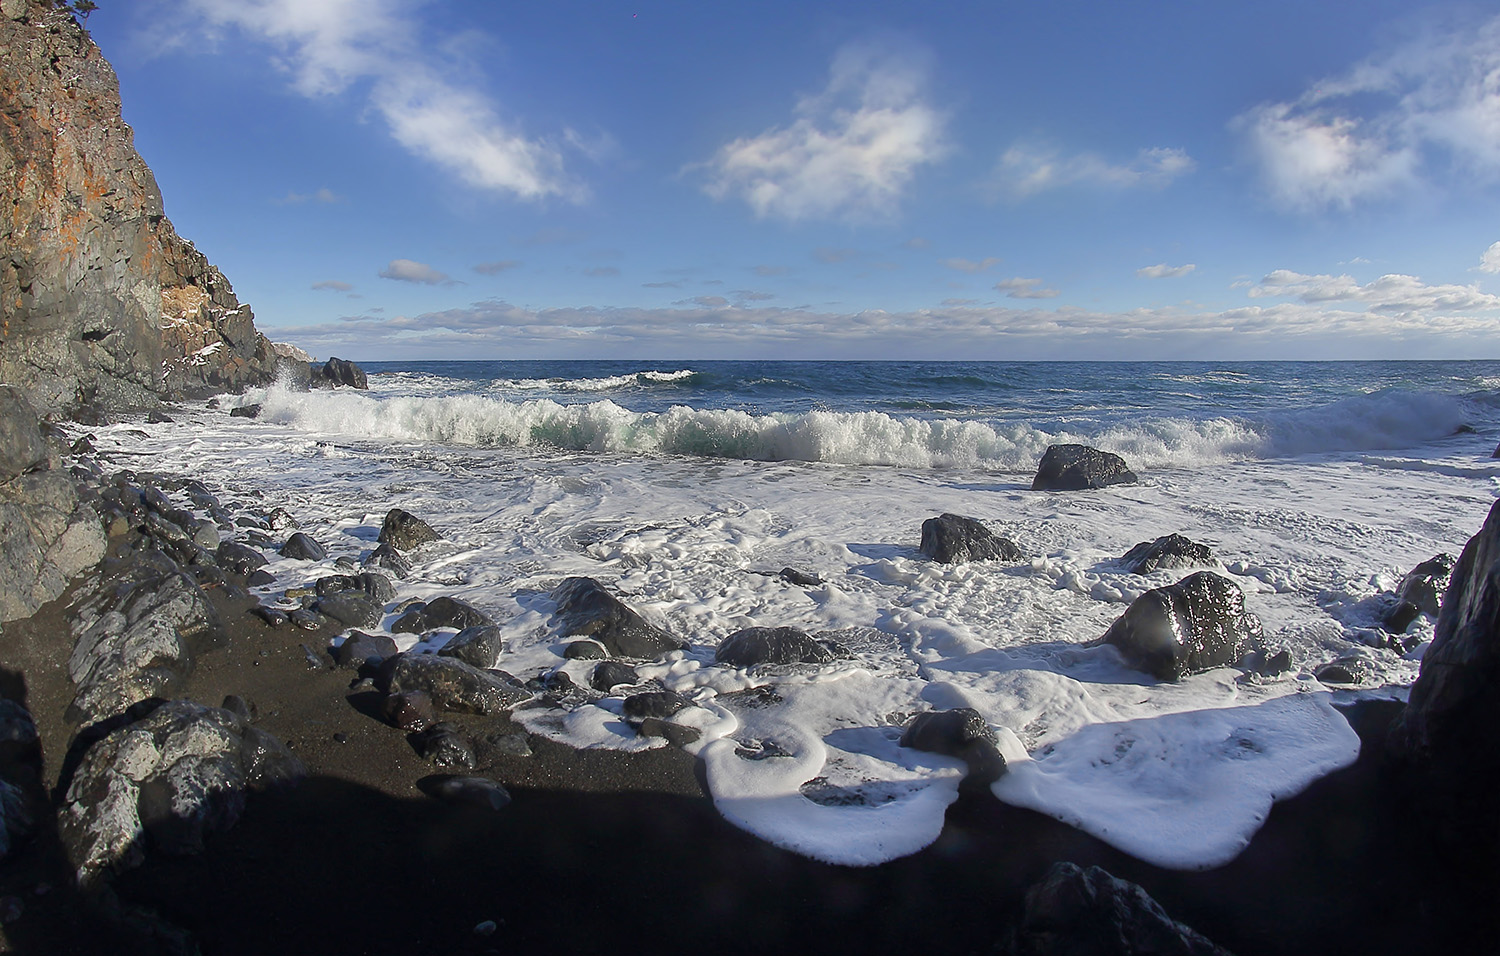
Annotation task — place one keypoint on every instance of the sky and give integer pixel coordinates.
(998, 180)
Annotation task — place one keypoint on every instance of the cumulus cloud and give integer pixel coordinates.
(495, 268)
(1019, 288)
(329, 46)
(1429, 106)
(406, 270)
(1490, 261)
(850, 152)
(1163, 271)
(332, 285)
(1394, 294)
(1027, 170)
(970, 266)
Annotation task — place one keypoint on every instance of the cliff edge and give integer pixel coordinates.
(103, 306)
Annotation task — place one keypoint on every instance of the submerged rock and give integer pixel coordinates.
(659, 704)
(961, 733)
(586, 609)
(1078, 467)
(1194, 625)
(951, 539)
(777, 645)
(403, 530)
(1167, 552)
(376, 586)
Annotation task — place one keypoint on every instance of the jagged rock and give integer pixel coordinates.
(586, 609)
(166, 782)
(960, 733)
(403, 530)
(136, 632)
(336, 372)
(378, 587)
(22, 447)
(359, 649)
(351, 608)
(776, 645)
(303, 548)
(1423, 586)
(1077, 467)
(389, 558)
(658, 703)
(607, 675)
(1076, 912)
(1194, 625)
(440, 612)
(479, 646)
(452, 684)
(1167, 552)
(951, 539)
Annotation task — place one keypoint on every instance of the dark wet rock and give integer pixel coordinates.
(403, 530)
(308, 619)
(1170, 551)
(411, 710)
(960, 733)
(1344, 670)
(22, 447)
(452, 684)
(206, 535)
(390, 559)
(951, 539)
(584, 651)
(678, 735)
(586, 609)
(607, 675)
(338, 372)
(271, 615)
(777, 645)
(1078, 467)
(799, 578)
(280, 519)
(136, 632)
(239, 559)
(158, 417)
(360, 649)
(502, 744)
(657, 703)
(164, 783)
(444, 745)
(1423, 585)
(246, 411)
(440, 612)
(376, 586)
(240, 707)
(351, 608)
(479, 646)
(1399, 617)
(462, 791)
(1076, 912)
(303, 548)
(1194, 625)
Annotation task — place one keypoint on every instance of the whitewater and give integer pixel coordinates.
(684, 487)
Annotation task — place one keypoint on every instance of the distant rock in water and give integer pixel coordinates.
(1076, 912)
(777, 645)
(951, 539)
(338, 372)
(1078, 467)
(1168, 551)
(1194, 625)
(586, 609)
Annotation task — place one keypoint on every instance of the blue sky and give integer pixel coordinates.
(388, 179)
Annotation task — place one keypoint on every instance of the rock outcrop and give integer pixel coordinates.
(102, 304)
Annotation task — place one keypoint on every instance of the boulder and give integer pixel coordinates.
(586, 609)
(440, 612)
(607, 675)
(777, 645)
(951, 539)
(351, 608)
(1423, 585)
(451, 684)
(1170, 551)
(1076, 912)
(391, 560)
(22, 447)
(165, 783)
(1194, 625)
(1078, 467)
(336, 372)
(657, 703)
(303, 548)
(403, 530)
(239, 559)
(378, 587)
(479, 646)
(961, 733)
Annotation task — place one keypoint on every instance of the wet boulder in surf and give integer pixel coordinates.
(338, 372)
(1194, 625)
(962, 733)
(951, 539)
(1079, 467)
(586, 609)
(478, 645)
(1168, 551)
(440, 612)
(777, 645)
(451, 684)
(403, 530)
(1423, 585)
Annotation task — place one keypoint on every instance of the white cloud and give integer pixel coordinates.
(332, 285)
(1393, 294)
(1424, 112)
(1163, 271)
(406, 270)
(323, 195)
(1019, 288)
(970, 266)
(1027, 170)
(330, 45)
(850, 152)
(1490, 261)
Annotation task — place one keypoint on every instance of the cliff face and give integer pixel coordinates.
(102, 304)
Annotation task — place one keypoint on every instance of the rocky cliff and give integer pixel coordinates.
(102, 305)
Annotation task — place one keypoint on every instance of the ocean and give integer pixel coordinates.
(685, 487)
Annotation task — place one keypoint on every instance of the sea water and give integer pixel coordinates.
(684, 487)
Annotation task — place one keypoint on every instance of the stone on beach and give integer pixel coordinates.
(1079, 467)
(302, 547)
(452, 684)
(951, 539)
(1194, 625)
(479, 645)
(586, 609)
(961, 733)
(1169, 552)
(440, 612)
(776, 645)
(403, 530)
